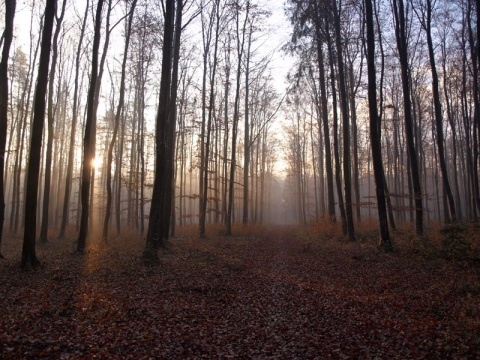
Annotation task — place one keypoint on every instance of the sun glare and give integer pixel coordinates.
(96, 163)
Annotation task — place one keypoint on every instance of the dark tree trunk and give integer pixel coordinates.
(401, 33)
(7, 41)
(347, 168)
(156, 229)
(50, 121)
(172, 122)
(326, 128)
(336, 151)
(203, 195)
(427, 24)
(246, 142)
(87, 140)
(116, 125)
(29, 257)
(236, 115)
(71, 152)
(375, 134)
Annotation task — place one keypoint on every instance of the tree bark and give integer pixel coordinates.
(375, 128)
(156, 229)
(50, 123)
(87, 140)
(400, 32)
(29, 257)
(8, 36)
(117, 123)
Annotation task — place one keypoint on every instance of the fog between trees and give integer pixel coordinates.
(153, 116)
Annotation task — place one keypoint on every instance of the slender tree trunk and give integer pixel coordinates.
(438, 113)
(375, 134)
(338, 175)
(50, 121)
(400, 32)
(116, 124)
(246, 143)
(326, 127)
(156, 230)
(87, 140)
(211, 105)
(8, 36)
(236, 115)
(172, 122)
(29, 257)
(347, 168)
(71, 152)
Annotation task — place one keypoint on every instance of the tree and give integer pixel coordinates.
(117, 123)
(375, 131)
(215, 19)
(156, 228)
(7, 41)
(50, 123)
(29, 257)
(87, 165)
(401, 37)
(71, 151)
(425, 16)
(241, 32)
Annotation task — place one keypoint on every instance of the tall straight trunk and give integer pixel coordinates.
(87, 140)
(236, 115)
(225, 139)
(71, 152)
(401, 33)
(347, 168)
(203, 195)
(246, 143)
(50, 121)
(8, 36)
(172, 122)
(450, 117)
(156, 229)
(375, 131)
(326, 127)
(25, 105)
(427, 24)
(117, 123)
(474, 55)
(336, 151)
(356, 173)
(29, 257)
(118, 176)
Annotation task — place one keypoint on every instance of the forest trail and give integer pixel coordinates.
(280, 295)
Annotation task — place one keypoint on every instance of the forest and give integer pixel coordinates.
(239, 178)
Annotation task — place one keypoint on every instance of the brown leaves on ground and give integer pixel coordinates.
(280, 295)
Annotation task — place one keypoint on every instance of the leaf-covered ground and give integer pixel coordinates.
(279, 295)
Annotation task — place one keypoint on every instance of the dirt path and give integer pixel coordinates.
(277, 296)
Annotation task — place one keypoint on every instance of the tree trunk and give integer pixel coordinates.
(116, 124)
(156, 230)
(400, 32)
(87, 140)
(236, 115)
(347, 167)
(50, 120)
(29, 257)
(375, 134)
(71, 152)
(8, 36)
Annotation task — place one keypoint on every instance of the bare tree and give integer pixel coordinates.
(87, 165)
(8, 36)
(29, 257)
(50, 124)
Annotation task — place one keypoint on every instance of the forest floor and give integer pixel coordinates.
(281, 293)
